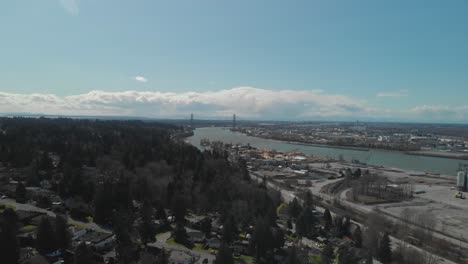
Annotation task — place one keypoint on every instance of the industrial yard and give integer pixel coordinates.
(432, 196)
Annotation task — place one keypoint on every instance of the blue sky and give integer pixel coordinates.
(337, 60)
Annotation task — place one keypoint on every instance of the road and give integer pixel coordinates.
(30, 207)
(161, 239)
(161, 242)
(288, 196)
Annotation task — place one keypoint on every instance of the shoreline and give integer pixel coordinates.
(429, 170)
(460, 157)
(438, 155)
(325, 146)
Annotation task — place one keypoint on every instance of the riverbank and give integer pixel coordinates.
(373, 157)
(324, 146)
(447, 155)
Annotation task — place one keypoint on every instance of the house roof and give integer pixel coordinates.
(94, 237)
(179, 257)
(27, 215)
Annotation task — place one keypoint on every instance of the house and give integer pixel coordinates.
(26, 253)
(214, 243)
(195, 221)
(180, 257)
(77, 232)
(196, 236)
(149, 254)
(38, 259)
(36, 221)
(241, 247)
(99, 240)
(25, 217)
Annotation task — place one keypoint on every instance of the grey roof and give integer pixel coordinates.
(94, 237)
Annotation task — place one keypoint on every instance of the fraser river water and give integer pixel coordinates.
(394, 159)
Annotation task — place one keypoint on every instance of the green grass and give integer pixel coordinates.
(27, 229)
(171, 241)
(199, 247)
(280, 208)
(78, 225)
(248, 259)
(291, 238)
(315, 260)
(5, 206)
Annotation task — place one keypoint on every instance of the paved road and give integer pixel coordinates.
(161, 239)
(200, 256)
(30, 207)
(290, 195)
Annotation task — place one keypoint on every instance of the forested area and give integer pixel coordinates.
(126, 174)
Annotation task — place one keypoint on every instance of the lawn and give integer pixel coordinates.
(291, 238)
(248, 259)
(171, 241)
(27, 229)
(281, 208)
(199, 247)
(315, 260)
(79, 225)
(5, 206)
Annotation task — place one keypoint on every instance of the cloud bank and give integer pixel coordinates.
(245, 102)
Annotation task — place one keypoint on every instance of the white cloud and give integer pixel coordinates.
(401, 93)
(71, 6)
(140, 79)
(246, 102)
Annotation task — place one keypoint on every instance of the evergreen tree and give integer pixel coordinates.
(309, 199)
(262, 239)
(327, 219)
(125, 248)
(179, 209)
(278, 238)
(180, 234)
(21, 193)
(292, 256)
(357, 237)
(385, 250)
(147, 229)
(305, 222)
(206, 226)
(83, 254)
(294, 208)
(9, 249)
(62, 232)
(161, 213)
(327, 254)
(229, 229)
(162, 258)
(45, 162)
(345, 255)
(224, 255)
(46, 238)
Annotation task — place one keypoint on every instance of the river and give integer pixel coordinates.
(393, 159)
